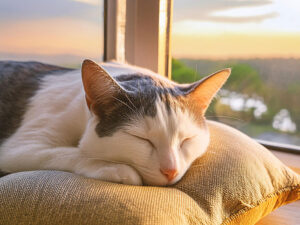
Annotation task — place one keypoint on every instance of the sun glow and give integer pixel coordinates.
(230, 45)
(52, 36)
(213, 29)
(262, 31)
(92, 2)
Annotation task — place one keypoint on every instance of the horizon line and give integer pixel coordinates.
(11, 55)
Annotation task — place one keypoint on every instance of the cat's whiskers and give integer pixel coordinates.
(130, 101)
(136, 111)
(226, 117)
(139, 91)
(123, 103)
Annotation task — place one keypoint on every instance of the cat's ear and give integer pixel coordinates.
(202, 92)
(99, 86)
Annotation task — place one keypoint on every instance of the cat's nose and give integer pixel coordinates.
(169, 173)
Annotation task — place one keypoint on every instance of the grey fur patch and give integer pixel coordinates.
(18, 82)
(142, 92)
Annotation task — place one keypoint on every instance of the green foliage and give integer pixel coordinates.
(292, 102)
(183, 74)
(294, 88)
(244, 79)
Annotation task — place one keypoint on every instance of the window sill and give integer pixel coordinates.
(280, 147)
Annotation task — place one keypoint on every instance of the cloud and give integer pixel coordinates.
(91, 2)
(204, 10)
(239, 19)
(11, 11)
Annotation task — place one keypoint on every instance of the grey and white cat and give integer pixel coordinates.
(118, 123)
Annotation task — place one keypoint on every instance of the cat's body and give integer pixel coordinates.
(126, 128)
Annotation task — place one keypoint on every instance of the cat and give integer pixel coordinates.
(113, 122)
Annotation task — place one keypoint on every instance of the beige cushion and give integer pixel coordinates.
(236, 182)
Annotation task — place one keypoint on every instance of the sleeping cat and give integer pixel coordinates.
(117, 123)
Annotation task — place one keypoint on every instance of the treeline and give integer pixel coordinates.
(258, 78)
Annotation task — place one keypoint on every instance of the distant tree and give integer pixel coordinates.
(183, 74)
(292, 102)
(244, 79)
(276, 81)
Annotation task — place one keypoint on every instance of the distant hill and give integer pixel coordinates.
(67, 60)
(278, 71)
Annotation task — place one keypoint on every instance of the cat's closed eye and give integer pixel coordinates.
(186, 139)
(143, 139)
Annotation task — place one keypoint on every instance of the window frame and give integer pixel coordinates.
(128, 24)
(126, 29)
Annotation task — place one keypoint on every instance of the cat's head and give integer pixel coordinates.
(148, 122)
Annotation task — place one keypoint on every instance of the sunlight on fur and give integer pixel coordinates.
(120, 123)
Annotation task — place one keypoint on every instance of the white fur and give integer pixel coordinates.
(58, 132)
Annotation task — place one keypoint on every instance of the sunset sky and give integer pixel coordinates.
(201, 29)
(236, 28)
(51, 30)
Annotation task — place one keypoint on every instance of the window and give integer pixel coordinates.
(260, 41)
(61, 32)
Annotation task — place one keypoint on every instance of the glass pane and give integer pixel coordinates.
(260, 41)
(61, 32)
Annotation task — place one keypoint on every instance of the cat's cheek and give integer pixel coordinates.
(195, 148)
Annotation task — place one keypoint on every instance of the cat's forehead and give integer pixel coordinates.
(143, 93)
(142, 83)
(145, 90)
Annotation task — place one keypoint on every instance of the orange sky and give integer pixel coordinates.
(236, 29)
(50, 37)
(201, 29)
(53, 36)
(232, 45)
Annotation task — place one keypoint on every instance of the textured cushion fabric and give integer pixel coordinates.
(62, 198)
(237, 181)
